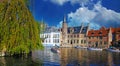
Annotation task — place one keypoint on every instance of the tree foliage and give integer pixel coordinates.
(19, 32)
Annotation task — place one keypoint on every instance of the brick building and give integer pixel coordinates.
(82, 36)
(101, 38)
(116, 36)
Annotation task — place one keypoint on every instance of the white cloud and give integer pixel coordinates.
(81, 15)
(98, 16)
(82, 2)
(61, 2)
(105, 16)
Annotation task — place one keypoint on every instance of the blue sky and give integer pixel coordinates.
(96, 12)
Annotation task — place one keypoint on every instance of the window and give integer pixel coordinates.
(96, 44)
(74, 41)
(105, 43)
(89, 37)
(89, 42)
(58, 36)
(100, 37)
(77, 41)
(74, 36)
(68, 36)
(78, 35)
(53, 41)
(68, 41)
(81, 41)
(92, 34)
(100, 42)
(71, 30)
(100, 33)
(84, 41)
(49, 40)
(50, 36)
(71, 42)
(58, 41)
(97, 37)
(84, 35)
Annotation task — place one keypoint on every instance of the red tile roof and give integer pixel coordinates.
(115, 30)
(101, 32)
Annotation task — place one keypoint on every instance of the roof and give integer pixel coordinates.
(84, 30)
(51, 29)
(115, 30)
(78, 29)
(100, 32)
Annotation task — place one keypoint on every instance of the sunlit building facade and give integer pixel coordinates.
(116, 36)
(73, 36)
(101, 38)
(51, 37)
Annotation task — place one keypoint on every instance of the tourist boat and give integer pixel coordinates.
(98, 49)
(80, 47)
(113, 50)
(55, 50)
(76, 47)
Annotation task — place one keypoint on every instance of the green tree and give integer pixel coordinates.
(19, 32)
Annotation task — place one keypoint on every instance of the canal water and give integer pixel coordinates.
(66, 57)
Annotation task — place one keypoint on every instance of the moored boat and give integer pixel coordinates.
(113, 50)
(80, 47)
(97, 49)
(55, 50)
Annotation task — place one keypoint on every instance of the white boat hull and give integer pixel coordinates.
(97, 49)
(81, 47)
(113, 50)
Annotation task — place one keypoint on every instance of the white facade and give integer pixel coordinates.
(51, 38)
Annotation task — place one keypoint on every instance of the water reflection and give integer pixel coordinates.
(66, 57)
(46, 55)
(17, 61)
(79, 57)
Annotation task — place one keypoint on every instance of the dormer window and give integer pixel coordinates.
(100, 37)
(83, 29)
(92, 33)
(71, 30)
(100, 33)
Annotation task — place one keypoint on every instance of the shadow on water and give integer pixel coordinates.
(19, 61)
(66, 57)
